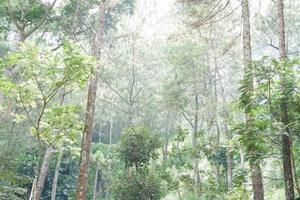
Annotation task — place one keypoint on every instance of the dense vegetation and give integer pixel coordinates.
(149, 99)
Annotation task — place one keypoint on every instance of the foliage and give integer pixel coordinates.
(12, 193)
(35, 10)
(167, 65)
(239, 193)
(140, 187)
(37, 78)
(218, 156)
(61, 121)
(138, 147)
(125, 7)
(67, 176)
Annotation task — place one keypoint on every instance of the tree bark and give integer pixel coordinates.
(257, 184)
(256, 174)
(90, 111)
(286, 145)
(56, 173)
(43, 171)
(33, 187)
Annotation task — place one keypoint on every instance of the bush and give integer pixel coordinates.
(140, 187)
(137, 147)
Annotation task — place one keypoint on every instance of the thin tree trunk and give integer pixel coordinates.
(229, 159)
(96, 190)
(109, 164)
(179, 195)
(90, 111)
(59, 158)
(216, 117)
(286, 145)
(166, 143)
(86, 141)
(43, 171)
(297, 186)
(196, 121)
(56, 173)
(256, 174)
(242, 158)
(33, 186)
(195, 136)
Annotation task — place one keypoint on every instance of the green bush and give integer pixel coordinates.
(137, 147)
(139, 187)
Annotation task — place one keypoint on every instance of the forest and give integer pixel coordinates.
(149, 100)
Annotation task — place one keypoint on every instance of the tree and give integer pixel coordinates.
(59, 158)
(90, 110)
(256, 174)
(140, 187)
(36, 93)
(137, 147)
(286, 140)
(27, 16)
(168, 71)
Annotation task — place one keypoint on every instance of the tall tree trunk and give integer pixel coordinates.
(286, 145)
(90, 111)
(56, 173)
(257, 182)
(218, 136)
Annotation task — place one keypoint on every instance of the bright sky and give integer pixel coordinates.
(161, 12)
(156, 17)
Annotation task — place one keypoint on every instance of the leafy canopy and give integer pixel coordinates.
(35, 77)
